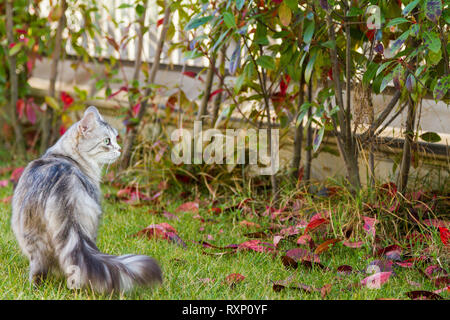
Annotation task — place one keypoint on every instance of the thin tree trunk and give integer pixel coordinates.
(405, 165)
(273, 177)
(409, 136)
(218, 99)
(132, 133)
(49, 134)
(349, 147)
(298, 138)
(14, 84)
(208, 85)
(139, 47)
(309, 137)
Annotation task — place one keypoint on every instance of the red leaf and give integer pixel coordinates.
(315, 224)
(302, 254)
(136, 109)
(118, 91)
(159, 22)
(376, 280)
(31, 114)
(4, 183)
(304, 239)
(15, 175)
(349, 244)
(214, 93)
(66, 99)
(325, 245)
(256, 245)
(370, 34)
(20, 106)
(445, 235)
(234, 278)
(161, 231)
(7, 199)
(192, 74)
(249, 224)
(369, 225)
(188, 207)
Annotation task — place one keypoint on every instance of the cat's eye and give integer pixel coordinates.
(107, 141)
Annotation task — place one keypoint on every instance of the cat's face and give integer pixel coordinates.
(97, 140)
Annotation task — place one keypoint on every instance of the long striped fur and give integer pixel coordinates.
(56, 211)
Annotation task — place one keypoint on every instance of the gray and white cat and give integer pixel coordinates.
(56, 211)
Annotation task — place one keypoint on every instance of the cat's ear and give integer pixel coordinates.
(95, 111)
(87, 123)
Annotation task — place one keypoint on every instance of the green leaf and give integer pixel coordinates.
(238, 83)
(328, 44)
(432, 41)
(194, 54)
(386, 80)
(229, 20)
(266, 62)
(240, 4)
(410, 7)
(14, 50)
(140, 9)
(396, 21)
(125, 6)
(197, 22)
(382, 67)
(354, 12)
(51, 102)
(370, 73)
(310, 66)
(318, 139)
(293, 4)
(433, 10)
(441, 88)
(219, 43)
(285, 14)
(430, 137)
(309, 32)
(393, 49)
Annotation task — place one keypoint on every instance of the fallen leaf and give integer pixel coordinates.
(302, 254)
(315, 224)
(15, 175)
(234, 278)
(249, 224)
(345, 269)
(170, 216)
(349, 244)
(304, 239)
(369, 225)
(161, 231)
(445, 235)
(325, 245)
(192, 206)
(423, 295)
(7, 199)
(289, 284)
(256, 245)
(4, 183)
(376, 280)
(325, 290)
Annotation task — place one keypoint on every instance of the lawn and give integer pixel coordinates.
(191, 274)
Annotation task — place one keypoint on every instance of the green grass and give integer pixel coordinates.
(183, 267)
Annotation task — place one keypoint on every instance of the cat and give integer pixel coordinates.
(56, 211)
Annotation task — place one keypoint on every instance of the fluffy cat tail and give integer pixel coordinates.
(85, 266)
